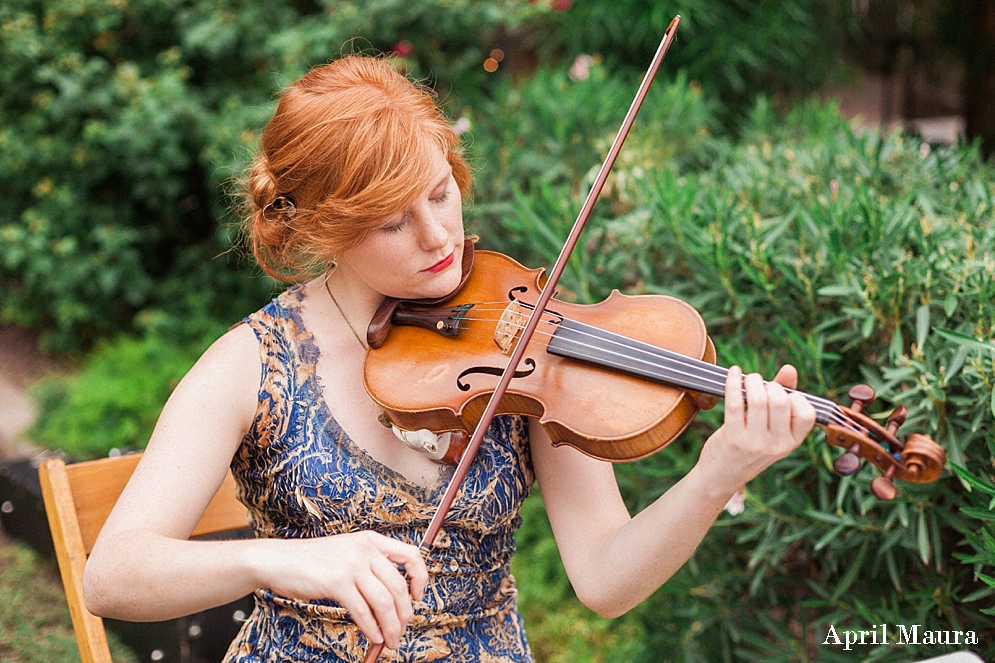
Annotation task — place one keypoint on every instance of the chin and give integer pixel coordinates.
(442, 284)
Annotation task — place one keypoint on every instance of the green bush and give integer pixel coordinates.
(538, 146)
(858, 258)
(114, 400)
(735, 50)
(122, 123)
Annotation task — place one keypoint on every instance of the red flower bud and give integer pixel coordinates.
(403, 48)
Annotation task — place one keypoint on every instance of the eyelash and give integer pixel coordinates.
(397, 227)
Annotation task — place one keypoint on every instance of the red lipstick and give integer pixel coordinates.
(442, 264)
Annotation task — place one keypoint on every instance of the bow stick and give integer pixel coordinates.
(373, 653)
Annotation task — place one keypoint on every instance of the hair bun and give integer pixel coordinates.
(350, 144)
(262, 182)
(281, 209)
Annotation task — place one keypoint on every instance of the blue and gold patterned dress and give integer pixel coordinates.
(301, 476)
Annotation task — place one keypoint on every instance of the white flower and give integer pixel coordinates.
(735, 504)
(581, 68)
(461, 126)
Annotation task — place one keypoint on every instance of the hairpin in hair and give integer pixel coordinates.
(281, 208)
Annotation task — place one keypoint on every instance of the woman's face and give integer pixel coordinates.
(417, 253)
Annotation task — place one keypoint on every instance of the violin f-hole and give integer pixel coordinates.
(493, 370)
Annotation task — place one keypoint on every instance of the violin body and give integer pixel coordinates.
(439, 378)
(618, 380)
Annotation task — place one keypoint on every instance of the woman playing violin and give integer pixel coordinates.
(356, 194)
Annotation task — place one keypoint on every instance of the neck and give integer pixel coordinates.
(353, 295)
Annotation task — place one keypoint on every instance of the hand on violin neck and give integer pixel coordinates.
(763, 423)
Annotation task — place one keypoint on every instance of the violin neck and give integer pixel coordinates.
(592, 345)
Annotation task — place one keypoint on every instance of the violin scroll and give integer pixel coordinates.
(919, 459)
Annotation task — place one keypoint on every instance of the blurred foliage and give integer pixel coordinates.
(113, 401)
(34, 618)
(734, 49)
(857, 258)
(122, 123)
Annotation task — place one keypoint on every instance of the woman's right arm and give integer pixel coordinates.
(143, 568)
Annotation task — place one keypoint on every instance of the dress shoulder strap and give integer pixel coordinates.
(288, 356)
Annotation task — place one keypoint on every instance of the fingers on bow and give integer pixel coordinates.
(381, 602)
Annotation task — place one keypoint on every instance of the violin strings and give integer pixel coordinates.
(828, 409)
(709, 374)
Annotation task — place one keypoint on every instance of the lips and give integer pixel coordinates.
(442, 264)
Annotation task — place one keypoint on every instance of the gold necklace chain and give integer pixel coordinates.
(342, 313)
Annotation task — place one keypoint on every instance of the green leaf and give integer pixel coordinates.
(923, 537)
(980, 514)
(950, 304)
(867, 327)
(854, 570)
(922, 325)
(970, 481)
(897, 343)
(829, 536)
(956, 363)
(836, 291)
(889, 558)
(978, 594)
(965, 340)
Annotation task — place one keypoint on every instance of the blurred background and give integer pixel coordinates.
(813, 175)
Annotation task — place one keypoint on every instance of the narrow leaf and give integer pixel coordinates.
(897, 343)
(956, 363)
(965, 340)
(980, 514)
(988, 580)
(856, 566)
(923, 538)
(970, 481)
(950, 304)
(867, 327)
(922, 325)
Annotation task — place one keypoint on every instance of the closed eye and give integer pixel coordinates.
(396, 228)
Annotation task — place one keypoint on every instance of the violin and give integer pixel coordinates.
(618, 380)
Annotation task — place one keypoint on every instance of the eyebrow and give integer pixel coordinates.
(438, 183)
(444, 179)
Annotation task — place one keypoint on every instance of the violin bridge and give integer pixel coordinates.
(511, 323)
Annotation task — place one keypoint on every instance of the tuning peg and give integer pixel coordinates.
(861, 395)
(897, 418)
(849, 462)
(883, 488)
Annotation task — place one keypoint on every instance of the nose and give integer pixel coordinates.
(433, 233)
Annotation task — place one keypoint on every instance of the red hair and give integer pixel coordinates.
(351, 144)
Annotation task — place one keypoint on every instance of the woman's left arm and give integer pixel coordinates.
(615, 562)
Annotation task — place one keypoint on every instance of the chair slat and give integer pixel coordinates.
(78, 500)
(97, 484)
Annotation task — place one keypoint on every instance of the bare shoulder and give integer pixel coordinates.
(237, 349)
(198, 433)
(223, 385)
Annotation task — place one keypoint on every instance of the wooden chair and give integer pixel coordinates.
(78, 499)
